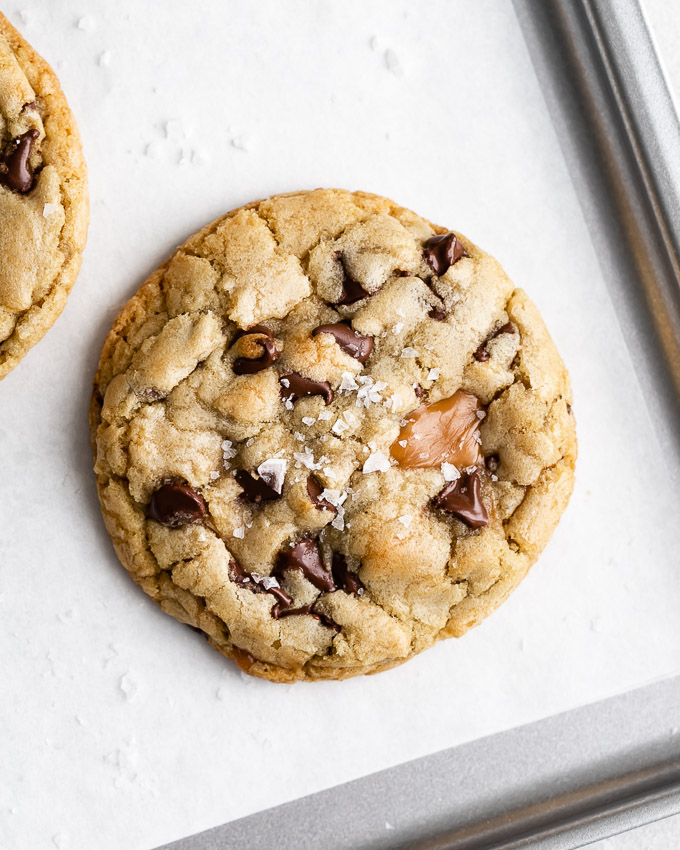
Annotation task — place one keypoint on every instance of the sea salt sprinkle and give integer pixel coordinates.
(228, 452)
(274, 472)
(433, 375)
(339, 427)
(376, 462)
(240, 532)
(450, 472)
(409, 353)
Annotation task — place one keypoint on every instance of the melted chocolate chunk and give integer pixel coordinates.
(306, 557)
(441, 252)
(482, 355)
(294, 386)
(17, 173)
(263, 339)
(437, 314)
(278, 612)
(492, 462)
(256, 583)
(256, 490)
(351, 342)
(344, 578)
(463, 499)
(352, 290)
(314, 491)
(175, 504)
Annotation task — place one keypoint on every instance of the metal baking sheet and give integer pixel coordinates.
(121, 716)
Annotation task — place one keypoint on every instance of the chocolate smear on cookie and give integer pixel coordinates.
(437, 314)
(294, 386)
(481, 354)
(355, 344)
(258, 348)
(344, 578)
(492, 462)
(16, 172)
(314, 491)
(463, 499)
(279, 611)
(265, 485)
(352, 290)
(175, 503)
(258, 583)
(305, 556)
(441, 252)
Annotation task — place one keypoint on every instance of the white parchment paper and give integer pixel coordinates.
(120, 728)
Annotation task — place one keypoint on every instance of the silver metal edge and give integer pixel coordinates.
(620, 135)
(499, 792)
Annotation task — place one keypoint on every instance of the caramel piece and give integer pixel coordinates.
(444, 432)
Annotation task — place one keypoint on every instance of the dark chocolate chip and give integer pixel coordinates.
(569, 409)
(17, 173)
(344, 578)
(294, 386)
(482, 354)
(418, 390)
(264, 340)
(256, 583)
(437, 314)
(463, 499)
(278, 612)
(492, 462)
(256, 490)
(306, 557)
(351, 342)
(176, 503)
(314, 491)
(441, 252)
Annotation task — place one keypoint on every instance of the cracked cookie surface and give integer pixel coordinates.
(43, 198)
(329, 433)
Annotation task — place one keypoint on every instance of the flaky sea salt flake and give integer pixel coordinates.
(450, 472)
(376, 462)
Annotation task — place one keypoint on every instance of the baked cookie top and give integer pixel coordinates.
(329, 433)
(43, 198)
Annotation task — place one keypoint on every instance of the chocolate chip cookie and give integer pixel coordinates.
(329, 433)
(43, 198)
